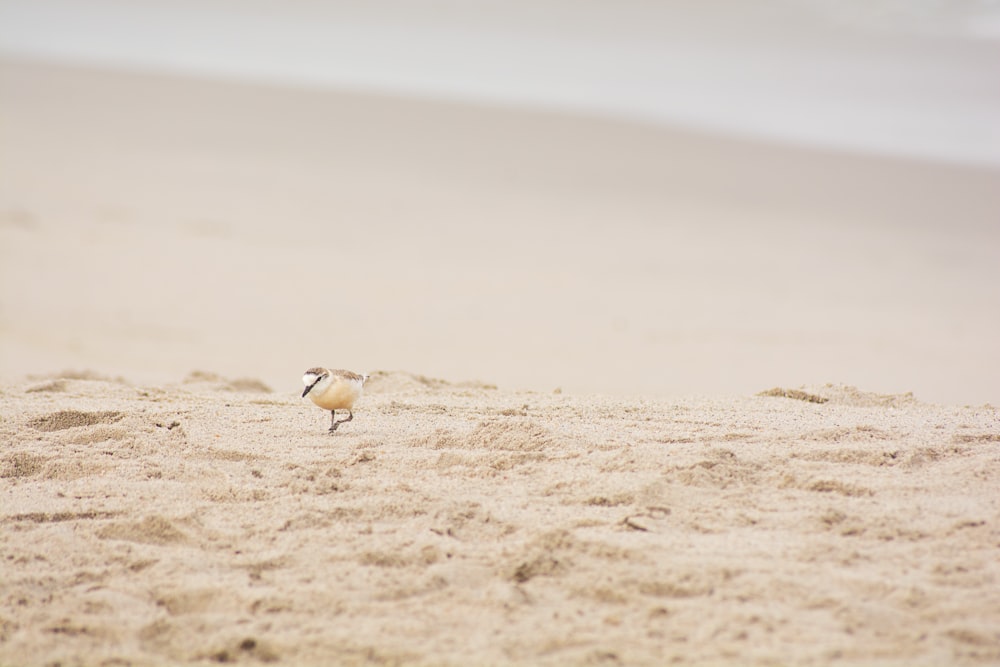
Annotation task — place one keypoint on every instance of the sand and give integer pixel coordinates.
(150, 225)
(646, 447)
(214, 521)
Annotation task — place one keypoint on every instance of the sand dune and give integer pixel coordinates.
(654, 473)
(213, 520)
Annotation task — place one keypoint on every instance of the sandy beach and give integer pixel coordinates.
(151, 225)
(656, 396)
(214, 521)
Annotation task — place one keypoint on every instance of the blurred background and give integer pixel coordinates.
(630, 197)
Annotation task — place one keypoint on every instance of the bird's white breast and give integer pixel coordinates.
(336, 394)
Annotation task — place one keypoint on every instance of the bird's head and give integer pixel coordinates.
(313, 377)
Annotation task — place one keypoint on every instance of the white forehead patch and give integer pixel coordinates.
(309, 378)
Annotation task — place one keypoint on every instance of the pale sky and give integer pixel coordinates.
(909, 78)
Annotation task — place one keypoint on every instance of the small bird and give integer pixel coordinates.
(334, 390)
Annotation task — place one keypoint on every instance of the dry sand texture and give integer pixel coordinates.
(213, 521)
(150, 225)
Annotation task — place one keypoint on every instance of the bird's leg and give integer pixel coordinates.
(350, 416)
(333, 421)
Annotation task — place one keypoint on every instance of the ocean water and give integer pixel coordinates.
(905, 78)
